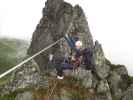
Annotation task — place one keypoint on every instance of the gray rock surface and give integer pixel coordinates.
(88, 79)
(128, 95)
(27, 76)
(103, 91)
(25, 96)
(106, 96)
(102, 69)
(103, 87)
(58, 18)
(118, 81)
(105, 82)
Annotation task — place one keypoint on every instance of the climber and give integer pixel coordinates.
(83, 56)
(65, 63)
(86, 54)
(75, 45)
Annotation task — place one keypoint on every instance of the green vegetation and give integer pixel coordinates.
(130, 79)
(6, 60)
(12, 51)
(12, 95)
(8, 97)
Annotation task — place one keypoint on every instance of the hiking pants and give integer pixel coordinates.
(63, 66)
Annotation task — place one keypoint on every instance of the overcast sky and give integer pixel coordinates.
(110, 23)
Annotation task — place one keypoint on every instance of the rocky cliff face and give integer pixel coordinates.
(58, 18)
(107, 82)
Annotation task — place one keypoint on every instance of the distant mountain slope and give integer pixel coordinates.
(12, 51)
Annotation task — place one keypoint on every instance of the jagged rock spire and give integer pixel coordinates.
(56, 19)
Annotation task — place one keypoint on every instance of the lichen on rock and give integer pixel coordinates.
(105, 82)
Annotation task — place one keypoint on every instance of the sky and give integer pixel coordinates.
(110, 23)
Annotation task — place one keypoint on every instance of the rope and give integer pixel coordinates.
(52, 90)
(28, 59)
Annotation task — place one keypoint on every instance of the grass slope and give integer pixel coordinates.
(12, 51)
